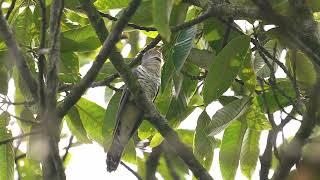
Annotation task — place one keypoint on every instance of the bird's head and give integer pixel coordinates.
(153, 56)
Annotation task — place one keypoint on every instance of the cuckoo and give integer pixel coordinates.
(130, 116)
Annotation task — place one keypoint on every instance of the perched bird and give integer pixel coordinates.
(130, 116)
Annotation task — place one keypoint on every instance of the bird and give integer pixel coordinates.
(129, 115)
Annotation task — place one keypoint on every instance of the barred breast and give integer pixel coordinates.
(148, 80)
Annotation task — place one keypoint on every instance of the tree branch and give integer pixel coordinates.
(300, 29)
(293, 150)
(41, 61)
(13, 3)
(52, 164)
(228, 10)
(152, 163)
(20, 62)
(106, 51)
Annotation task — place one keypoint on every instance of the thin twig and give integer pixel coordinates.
(5, 141)
(19, 118)
(108, 16)
(67, 149)
(131, 170)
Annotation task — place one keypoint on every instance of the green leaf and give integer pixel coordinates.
(69, 68)
(201, 58)
(248, 75)
(71, 4)
(304, 69)
(91, 116)
(213, 29)
(143, 15)
(161, 15)
(224, 68)
(249, 152)
(108, 93)
(129, 154)
(27, 114)
(106, 70)
(111, 4)
(156, 140)
(141, 165)
(260, 67)
(79, 39)
(178, 13)
(286, 87)
(24, 27)
(179, 166)
(224, 116)
(314, 5)
(203, 144)
(29, 169)
(182, 47)
(168, 68)
(6, 150)
(230, 149)
(186, 136)
(75, 125)
(109, 120)
(146, 130)
(256, 118)
(164, 98)
(4, 79)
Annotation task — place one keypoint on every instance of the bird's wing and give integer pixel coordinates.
(129, 118)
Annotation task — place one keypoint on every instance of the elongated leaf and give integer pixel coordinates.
(182, 47)
(230, 149)
(91, 116)
(176, 53)
(213, 29)
(256, 119)
(249, 152)
(156, 140)
(144, 14)
(248, 75)
(161, 15)
(109, 120)
(69, 68)
(224, 68)
(4, 79)
(129, 154)
(283, 101)
(6, 150)
(203, 144)
(260, 67)
(111, 4)
(302, 66)
(223, 117)
(23, 26)
(75, 125)
(79, 39)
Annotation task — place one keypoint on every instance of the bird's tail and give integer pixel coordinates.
(114, 154)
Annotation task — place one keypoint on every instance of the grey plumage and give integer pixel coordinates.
(129, 115)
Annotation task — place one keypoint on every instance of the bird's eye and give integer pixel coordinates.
(158, 58)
